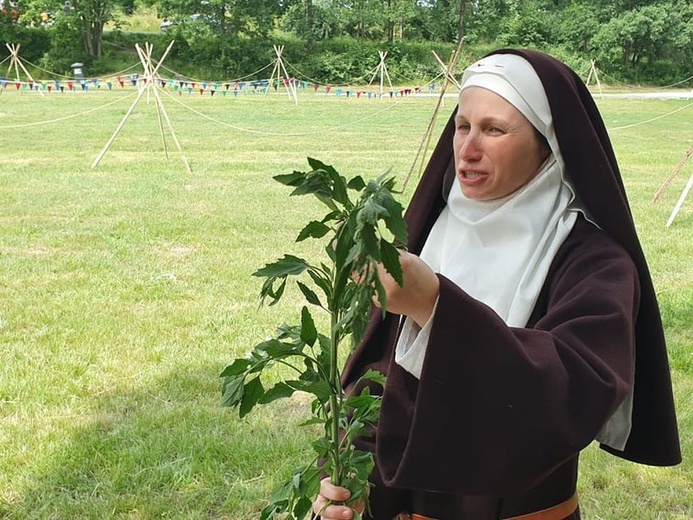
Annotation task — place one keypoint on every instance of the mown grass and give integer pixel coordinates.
(126, 288)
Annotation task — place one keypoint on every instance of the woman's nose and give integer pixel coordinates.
(470, 148)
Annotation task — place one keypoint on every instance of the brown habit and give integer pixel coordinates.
(494, 426)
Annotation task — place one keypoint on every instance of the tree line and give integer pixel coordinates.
(632, 40)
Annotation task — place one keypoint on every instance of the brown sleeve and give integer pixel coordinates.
(497, 408)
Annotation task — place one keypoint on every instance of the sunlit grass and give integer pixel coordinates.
(126, 288)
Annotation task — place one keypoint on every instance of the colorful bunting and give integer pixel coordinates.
(203, 87)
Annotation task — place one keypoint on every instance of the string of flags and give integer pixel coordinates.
(224, 88)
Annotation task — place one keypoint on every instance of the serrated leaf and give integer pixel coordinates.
(237, 367)
(321, 446)
(356, 183)
(389, 256)
(274, 348)
(232, 391)
(278, 391)
(317, 164)
(313, 421)
(289, 265)
(308, 331)
(302, 507)
(320, 389)
(290, 179)
(372, 375)
(269, 290)
(314, 229)
(252, 392)
(309, 294)
(393, 220)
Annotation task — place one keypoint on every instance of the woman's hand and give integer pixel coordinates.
(417, 296)
(330, 492)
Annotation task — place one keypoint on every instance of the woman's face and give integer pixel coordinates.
(496, 148)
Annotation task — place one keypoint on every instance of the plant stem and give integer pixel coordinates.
(335, 400)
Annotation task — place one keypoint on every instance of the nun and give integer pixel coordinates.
(527, 326)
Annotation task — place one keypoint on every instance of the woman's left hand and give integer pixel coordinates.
(418, 295)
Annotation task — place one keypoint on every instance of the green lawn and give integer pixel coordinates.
(126, 288)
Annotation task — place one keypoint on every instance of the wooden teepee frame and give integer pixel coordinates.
(447, 72)
(449, 77)
(16, 62)
(667, 182)
(150, 86)
(279, 68)
(593, 73)
(382, 69)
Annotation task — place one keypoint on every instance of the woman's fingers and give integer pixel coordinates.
(325, 507)
(332, 492)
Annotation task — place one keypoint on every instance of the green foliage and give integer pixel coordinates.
(332, 42)
(33, 42)
(66, 47)
(344, 287)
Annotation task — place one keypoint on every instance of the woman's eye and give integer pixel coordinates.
(463, 127)
(495, 130)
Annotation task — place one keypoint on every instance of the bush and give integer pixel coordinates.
(33, 41)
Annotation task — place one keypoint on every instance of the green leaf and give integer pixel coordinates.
(320, 389)
(252, 392)
(302, 507)
(393, 220)
(356, 183)
(317, 164)
(314, 229)
(389, 256)
(232, 390)
(274, 349)
(237, 367)
(287, 266)
(372, 375)
(308, 331)
(290, 179)
(313, 421)
(278, 391)
(309, 294)
(321, 446)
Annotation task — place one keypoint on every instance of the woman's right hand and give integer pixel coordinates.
(331, 493)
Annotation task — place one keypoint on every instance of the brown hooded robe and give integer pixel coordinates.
(495, 424)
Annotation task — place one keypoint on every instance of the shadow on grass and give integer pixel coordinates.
(168, 450)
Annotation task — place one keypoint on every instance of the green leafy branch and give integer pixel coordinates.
(359, 233)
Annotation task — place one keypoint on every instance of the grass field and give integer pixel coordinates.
(126, 288)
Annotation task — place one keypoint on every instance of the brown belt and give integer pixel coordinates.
(557, 512)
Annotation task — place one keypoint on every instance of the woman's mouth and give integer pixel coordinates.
(471, 176)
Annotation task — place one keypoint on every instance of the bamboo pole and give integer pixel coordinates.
(152, 72)
(683, 196)
(673, 174)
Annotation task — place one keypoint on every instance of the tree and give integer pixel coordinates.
(88, 16)
(93, 14)
(224, 17)
(646, 34)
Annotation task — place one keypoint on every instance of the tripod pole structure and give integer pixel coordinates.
(683, 196)
(673, 174)
(150, 78)
(382, 69)
(17, 62)
(278, 69)
(421, 152)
